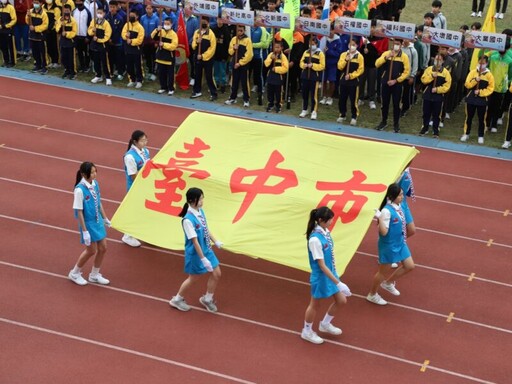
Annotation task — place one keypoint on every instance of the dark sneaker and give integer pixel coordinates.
(396, 129)
(381, 126)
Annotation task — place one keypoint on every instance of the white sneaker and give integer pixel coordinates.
(373, 105)
(430, 123)
(209, 305)
(230, 101)
(479, 14)
(304, 113)
(98, 279)
(191, 82)
(313, 115)
(119, 77)
(494, 130)
(473, 14)
(329, 101)
(138, 85)
(131, 241)
(131, 84)
(254, 88)
(240, 94)
(464, 138)
(109, 81)
(180, 304)
(496, 15)
(97, 79)
(77, 278)
(353, 122)
(500, 16)
(390, 287)
(160, 91)
(506, 145)
(360, 102)
(500, 121)
(152, 77)
(311, 336)
(246, 104)
(376, 299)
(340, 119)
(323, 101)
(447, 116)
(480, 140)
(170, 93)
(441, 124)
(329, 328)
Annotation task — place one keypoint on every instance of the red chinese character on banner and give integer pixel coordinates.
(173, 181)
(341, 207)
(259, 179)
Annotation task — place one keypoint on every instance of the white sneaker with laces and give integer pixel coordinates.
(138, 85)
(441, 124)
(479, 14)
(170, 93)
(311, 336)
(353, 122)
(373, 105)
(473, 14)
(496, 15)
(500, 16)
(494, 130)
(500, 121)
(131, 241)
(323, 101)
(160, 91)
(77, 278)
(180, 304)
(304, 113)
(464, 138)
(340, 119)
(109, 81)
(98, 279)
(230, 101)
(246, 104)
(329, 101)
(376, 299)
(390, 287)
(313, 115)
(506, 145)
(329, 328)
(447, 116)
(480, 140)
(96, 79)
(209, 305)
(131, 84)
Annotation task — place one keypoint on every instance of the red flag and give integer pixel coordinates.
(182, 52)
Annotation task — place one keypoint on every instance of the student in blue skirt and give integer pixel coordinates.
(91, 220)
(392, 245)
(135, 158)
(324, 280)
(199, 256)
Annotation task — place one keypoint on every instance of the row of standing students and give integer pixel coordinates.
(395, 223)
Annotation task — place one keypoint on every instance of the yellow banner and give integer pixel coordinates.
(260, 182)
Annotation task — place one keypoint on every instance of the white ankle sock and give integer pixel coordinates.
(208, 296)
(327, 319)
(308, 326)
(76, 269)
(95, 271)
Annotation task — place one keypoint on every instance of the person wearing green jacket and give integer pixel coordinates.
(261, 40)
(500, 65)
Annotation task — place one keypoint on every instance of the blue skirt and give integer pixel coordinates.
(193, 264)
(96, 230)
(321, 286)
(388, 254)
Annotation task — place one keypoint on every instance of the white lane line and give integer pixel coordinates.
(359, 252)
(125, 350)
(462, 205)
(81, 110)
(269, 326)
(174, 126)
(441, 315)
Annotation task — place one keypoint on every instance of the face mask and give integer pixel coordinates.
(483, 67)
(396, 47)
(352, 48)
(437, 63)
(313, 47)
(167, 27)
(99, 16)
(4, 2)
(36, 6)
(49, 2)
(132, 19)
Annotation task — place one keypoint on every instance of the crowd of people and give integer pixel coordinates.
(140, 43)
(395, 225)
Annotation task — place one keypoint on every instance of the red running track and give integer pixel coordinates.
(54, 331)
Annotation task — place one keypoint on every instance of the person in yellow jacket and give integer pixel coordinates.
(351, 65)
(240, 50)
(37, 21)
(480, 83)
(277, 65)
(437, 81)
(167, 43)
(312, 64)
(53, 12)
(67, 28)
(133, 36)
(508, 134)
(396, 71)
(62, 3)
(100, 32)
(204, 43)
(7, 21)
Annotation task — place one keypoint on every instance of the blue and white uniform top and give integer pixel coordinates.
(87, 198)
(134, 160)
(195, 226)
(321, 246)
(407, 186)
(393, 246)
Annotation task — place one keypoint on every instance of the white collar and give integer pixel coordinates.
(86, 183)
(195, 212)
(323, 231)
(139, 151)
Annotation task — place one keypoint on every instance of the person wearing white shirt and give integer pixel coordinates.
(324, 279)
(83, 18)
(392, 245)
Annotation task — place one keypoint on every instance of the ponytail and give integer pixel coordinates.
(136, 136)
(184, 210)
(323, 213)
(78, 177)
